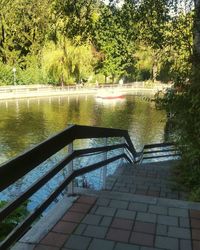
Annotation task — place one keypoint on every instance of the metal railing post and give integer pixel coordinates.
(105, 167)
(70, 188)
(123, 152)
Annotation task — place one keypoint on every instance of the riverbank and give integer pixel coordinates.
(30, 91)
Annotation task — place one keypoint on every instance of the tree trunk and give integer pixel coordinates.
(155, 66)
(154, 72)
(197, 30)
(62, 80)
(196, 48)
(113, 78)
(105, 79)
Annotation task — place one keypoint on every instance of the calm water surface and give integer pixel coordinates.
(26, 122)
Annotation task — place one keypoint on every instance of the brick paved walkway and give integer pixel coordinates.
(111, 220)
(153, 179)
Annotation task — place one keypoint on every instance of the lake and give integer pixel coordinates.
(26, 122)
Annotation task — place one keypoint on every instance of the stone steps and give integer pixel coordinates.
(121, 220)
(159, 223)
(151, 179)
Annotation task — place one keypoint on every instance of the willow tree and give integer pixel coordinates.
(64, 63)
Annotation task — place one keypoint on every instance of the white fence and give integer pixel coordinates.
(23, 91)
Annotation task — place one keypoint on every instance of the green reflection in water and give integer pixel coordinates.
(26, 122)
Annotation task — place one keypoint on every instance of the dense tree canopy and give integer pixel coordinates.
(117, 35)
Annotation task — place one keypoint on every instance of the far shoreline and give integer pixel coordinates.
(34, 91)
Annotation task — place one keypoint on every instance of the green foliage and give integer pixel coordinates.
(113, 33)
(183, 101)
(7, 225)
(24, 25)
(79, 18)
(188, 178)
(51, 41)
(184, 105)
(112, 40)
(32, 74)
(153, 16)
(65, 63)
(6, 74)
(195, 194)
(179, 47)
(144, 64)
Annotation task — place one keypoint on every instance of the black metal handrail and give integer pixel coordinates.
(21, 165)
(51, 173)
(13, 170)
(159, 145)
(157, 148)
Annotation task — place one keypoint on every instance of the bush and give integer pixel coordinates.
(183, 103)
(6, 74)
(31, 75)
(7, 225)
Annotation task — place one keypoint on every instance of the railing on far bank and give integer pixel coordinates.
(74, 87)
(16, 168)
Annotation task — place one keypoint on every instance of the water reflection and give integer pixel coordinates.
(26, 122)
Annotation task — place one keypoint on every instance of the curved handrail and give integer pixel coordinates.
(141, 155)
(30, 159)
(24, 225)
(17, 167)
(51, 173)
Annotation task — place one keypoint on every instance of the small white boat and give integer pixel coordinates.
(109, 94)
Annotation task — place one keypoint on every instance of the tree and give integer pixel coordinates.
(152, 18)
(112, 40)
(79, 18)
(66, 63)
(197, 28)
(24, 27)
(183, 101)
(179, 47)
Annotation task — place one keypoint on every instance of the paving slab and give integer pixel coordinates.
(118, 220)
(146, 217)
(184, 222)
(167, 243)
(177, 232)
(158, 210)
(168, 220)
(125, 214)
(106, 221)
(185, 245)
(106, 211)
(153, 179)
(98, 244)
(123, 246)
(92, 219)
(78, 242)
(140, 207)
(95, 231)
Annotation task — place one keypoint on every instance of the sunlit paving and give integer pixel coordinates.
(99, 125)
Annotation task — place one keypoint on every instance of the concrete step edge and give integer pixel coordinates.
(139, 198)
